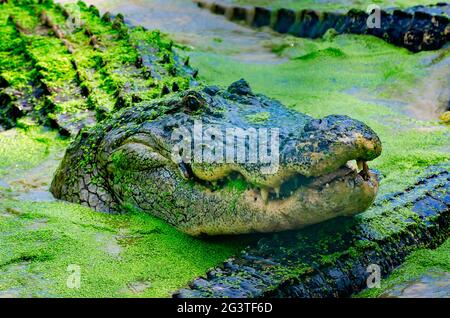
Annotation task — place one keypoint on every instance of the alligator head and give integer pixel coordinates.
(212, 161)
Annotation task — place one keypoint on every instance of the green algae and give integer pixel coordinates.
(52, 59)
(416, 264)
(148, 250)
(366, 81)
(258, 118)
(24, 149)
(239, 185)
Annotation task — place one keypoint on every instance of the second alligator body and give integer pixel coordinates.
(418, 28)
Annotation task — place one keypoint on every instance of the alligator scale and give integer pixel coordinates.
(127, 161)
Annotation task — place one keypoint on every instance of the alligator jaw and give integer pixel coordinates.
(344, 192)
(291, 184)
(327, 190)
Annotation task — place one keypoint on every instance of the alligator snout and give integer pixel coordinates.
(344, 129)
(329, 143)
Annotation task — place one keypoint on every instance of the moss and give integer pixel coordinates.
(52, 59)
(328, 52)
(330, 259)
(15, 68)
(149, 249)
(239, 185)
(445, 117)
(23, 13)
(24, 149)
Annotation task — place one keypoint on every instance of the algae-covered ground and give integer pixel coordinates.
(397, 93)
(44, 242)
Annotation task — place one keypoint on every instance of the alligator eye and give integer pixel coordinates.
(193, 101)
(137, 157)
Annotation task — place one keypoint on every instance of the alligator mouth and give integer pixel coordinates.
(351, 170)
(355, 174)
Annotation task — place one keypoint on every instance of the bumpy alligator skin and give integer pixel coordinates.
(127, 161)
(418, 28)
(68, 67)
(332, 259)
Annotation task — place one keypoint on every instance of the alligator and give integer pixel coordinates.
(68, 67)
(418, 28)
(340, 257)
(127, 161)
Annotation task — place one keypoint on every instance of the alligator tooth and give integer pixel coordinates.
(277, 191)
(352, 165)
(360, 164)
(365, 167)
(184, 170)
(265, 195)
(365, 171)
